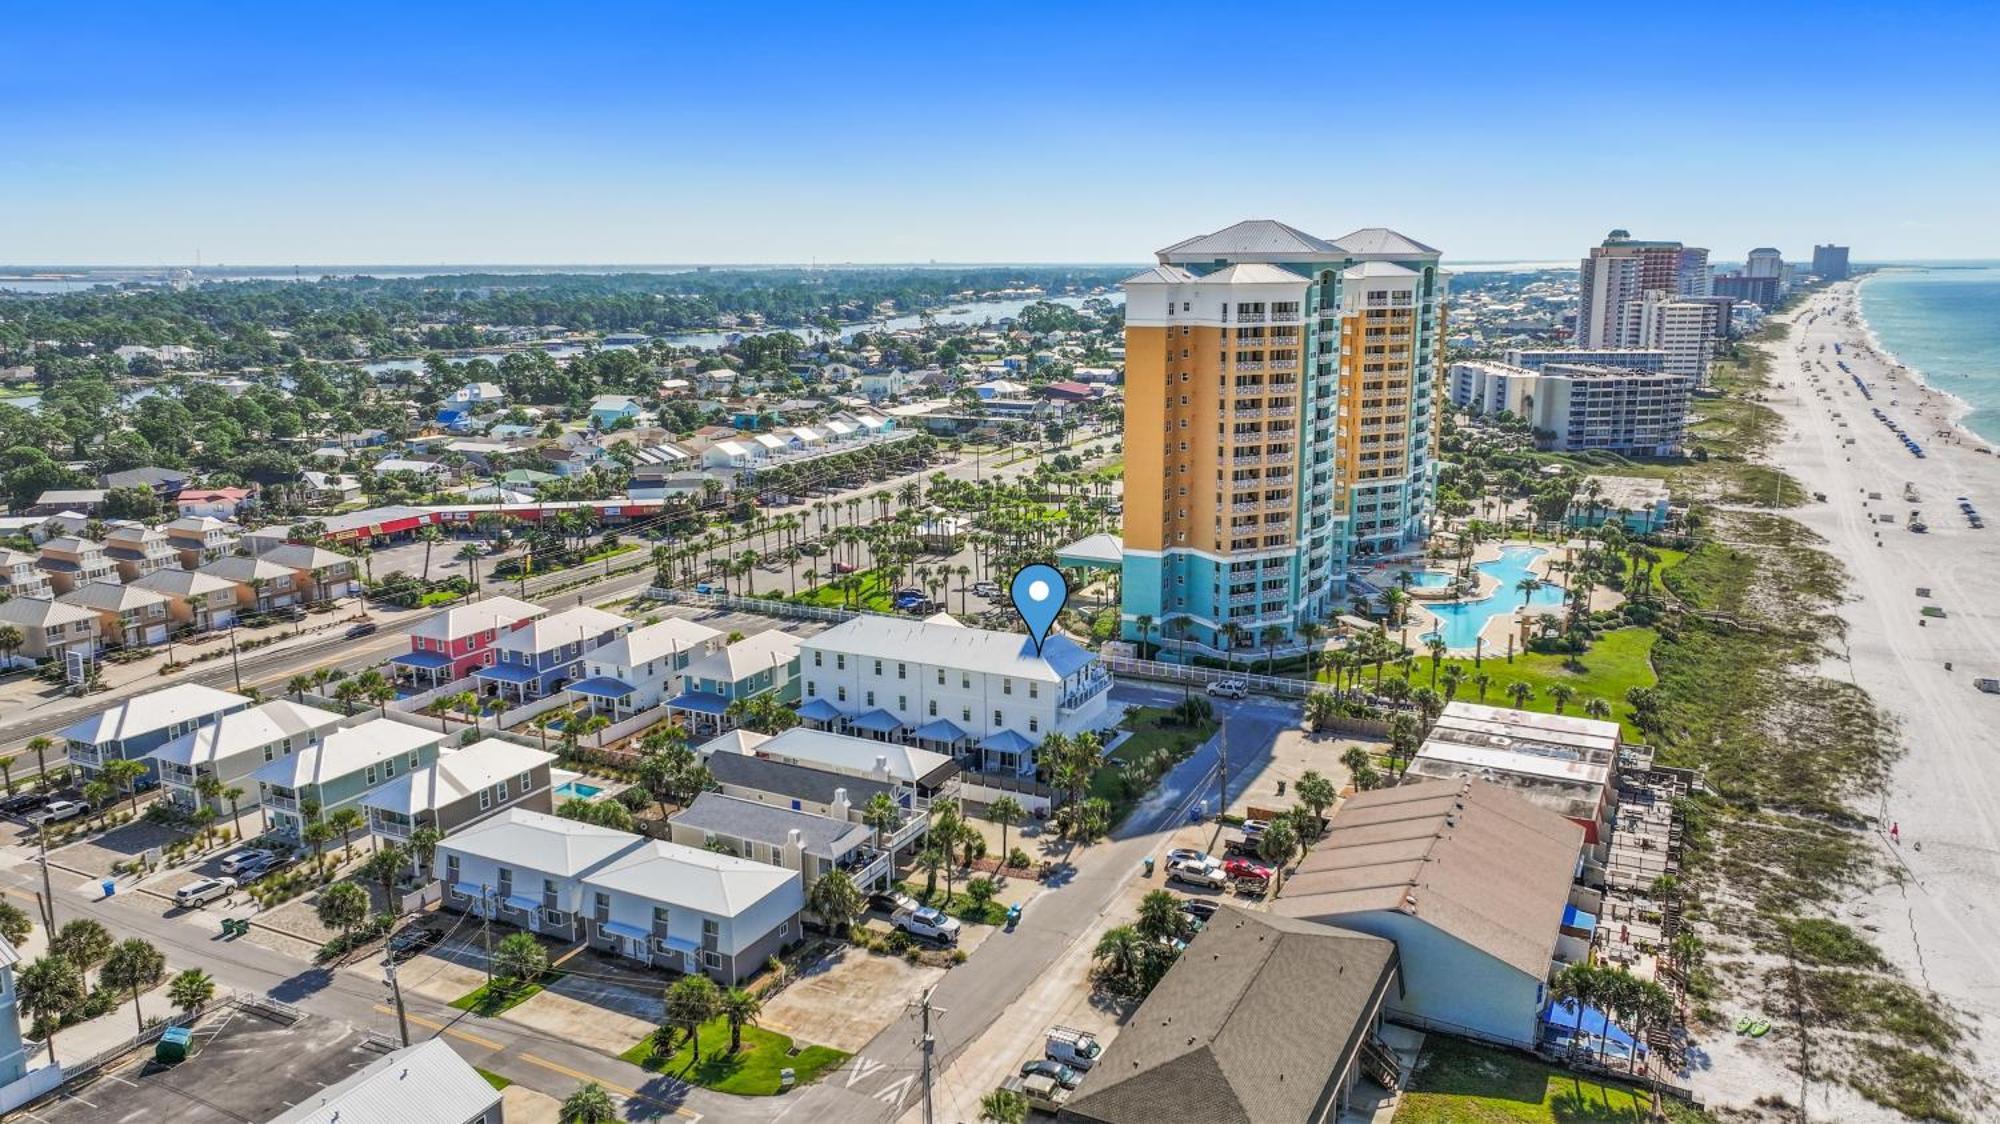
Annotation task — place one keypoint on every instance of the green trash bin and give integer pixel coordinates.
(173, 1045)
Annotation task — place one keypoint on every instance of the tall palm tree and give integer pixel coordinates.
(1521, 693)
(590, 1104)
(1561, 693)
(739, 1007)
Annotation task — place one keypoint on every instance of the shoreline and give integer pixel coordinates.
(1956, 409)
(1933, 908)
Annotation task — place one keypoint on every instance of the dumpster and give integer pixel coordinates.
(173, 1045)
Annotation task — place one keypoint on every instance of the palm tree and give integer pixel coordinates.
(7, 772)
(346, 821)
(83, 942)
(298, 685)
(125, 774)
(1160, 917)
(48, 990)
(835, 900)
(590, 1104)
(1003, 1106)
(1520, 693)
(1145, 626)
(882, 814)
(10, 642)
(1452, 679)
(317, 835)
(739, 1007)
(520, 959)
(1597, 708)
(1005, 811)
(1561, 693)
(191, 990)
(1482, 681)
(1120, 956)
(342, 906)
(423, 847)
(932, 857)
(384, 867)
(40, 746)
(690, 1002)
(134, 966)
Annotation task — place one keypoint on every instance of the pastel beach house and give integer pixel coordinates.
(343, 767)
(233, 747)
(642, 669)
(463, 787)
(538, 657)
(133, 729)
(764, 664)
(450, 645)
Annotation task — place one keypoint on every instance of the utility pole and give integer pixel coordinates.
(929, 1044)
(396, 992)
(486, 930)
(48, 902)
(235, 668)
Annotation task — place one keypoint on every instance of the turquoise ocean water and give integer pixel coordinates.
(1944, 322)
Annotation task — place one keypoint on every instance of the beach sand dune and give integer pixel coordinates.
(1941, 923)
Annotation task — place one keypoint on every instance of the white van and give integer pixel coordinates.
(203, 892)
(1077, 1049)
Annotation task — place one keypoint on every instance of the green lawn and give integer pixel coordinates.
(489, 1000)
(874, 592)
(492, 1078)
(960, 906)
(1152, 729)
(1459, 1083)
(750, 1073)
(1619, 661)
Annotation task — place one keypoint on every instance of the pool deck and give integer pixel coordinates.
(1500, 626)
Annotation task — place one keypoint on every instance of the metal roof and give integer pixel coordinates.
(692, 878)
(245, 730)
(427, 1081)
(653, 641)
(155, 710)
(953, 647)
(456, 775)
(541, 842)
(348, 751)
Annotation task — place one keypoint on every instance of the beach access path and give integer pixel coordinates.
(1941, 924)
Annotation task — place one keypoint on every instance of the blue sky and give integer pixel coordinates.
(425, 133)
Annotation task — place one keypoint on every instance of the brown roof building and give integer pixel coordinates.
(1263, 1020)
(1471, 881)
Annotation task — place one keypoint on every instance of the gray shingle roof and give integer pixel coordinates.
(815, 785)
(738, 818)
(1252, 1025)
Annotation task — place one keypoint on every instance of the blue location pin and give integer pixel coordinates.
(1039, 593)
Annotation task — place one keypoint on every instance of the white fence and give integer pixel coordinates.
(971, 788)
(729, 602)
(512, 718)
(1202, 676)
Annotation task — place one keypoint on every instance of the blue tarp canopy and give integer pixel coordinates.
(701, 702)
(603, 687)
(630, 932)
(429, 661)
(1574, 918)
(1006, 741)
(939, 730)
(507, 673)
(878, 722)
(818, 710)
(1569, 1018)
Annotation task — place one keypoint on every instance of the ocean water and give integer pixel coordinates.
(1944, 322)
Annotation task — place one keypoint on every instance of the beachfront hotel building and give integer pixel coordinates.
(1622, 271)
(1278, 424)
(1574, 407)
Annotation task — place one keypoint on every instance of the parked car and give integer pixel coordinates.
(986, 589)
(365, 628)
(1045, 1067)
(1201, 909)
(1241, 847)
(239, 861)
(22, 805)
(929, 924)
(1040, 1092)
(56, 811)
(255, 871)
(412, 941)
(892, 901)
(1186, 855)
(1254, 830)
(289, 613)
(1229, 688)
(196, 894)
(843, 568)
(1197, 874)
(1245, 869)
(1077, 1049)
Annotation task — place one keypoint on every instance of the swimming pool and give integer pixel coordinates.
(1426, 579)
(1460, 622)
(578, 790)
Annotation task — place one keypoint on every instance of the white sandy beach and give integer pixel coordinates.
(1941, 925)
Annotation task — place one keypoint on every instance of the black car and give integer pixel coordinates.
(1199, 908)
(365, 628)
(413, 940)
(22, 805)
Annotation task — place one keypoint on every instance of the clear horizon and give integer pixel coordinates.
(622, 133)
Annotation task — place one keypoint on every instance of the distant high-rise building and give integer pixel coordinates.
(1683, 327)
(1577, 406)
(1691, 277)
(1624, 269)
(1830, 262)
(1764, 262)
(1761, 291)
(1278, 423)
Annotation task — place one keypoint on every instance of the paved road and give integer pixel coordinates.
(885, 1077)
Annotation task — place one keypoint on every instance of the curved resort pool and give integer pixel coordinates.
(1460, 622)
(1427, 579)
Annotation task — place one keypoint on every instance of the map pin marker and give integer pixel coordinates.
(1039, 593)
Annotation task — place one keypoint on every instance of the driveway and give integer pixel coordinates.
(846, 997)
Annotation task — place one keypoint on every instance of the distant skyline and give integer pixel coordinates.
(607, 134)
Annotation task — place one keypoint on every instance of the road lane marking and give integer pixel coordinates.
(445, 1029)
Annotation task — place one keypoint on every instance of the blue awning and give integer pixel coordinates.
(878, 722)
(507, 673)
(818, 710)
(1006, 741)
(524, 904)
(428, 661)
(1569, 1015)
(939, 730)
(682, 944)
(1574, 918)
(701, 702)
(630, 932)
(603, 687)
(465, 889)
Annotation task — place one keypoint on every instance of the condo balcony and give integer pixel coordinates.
(1250, 318)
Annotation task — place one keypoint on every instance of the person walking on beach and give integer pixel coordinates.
(1896, 833)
